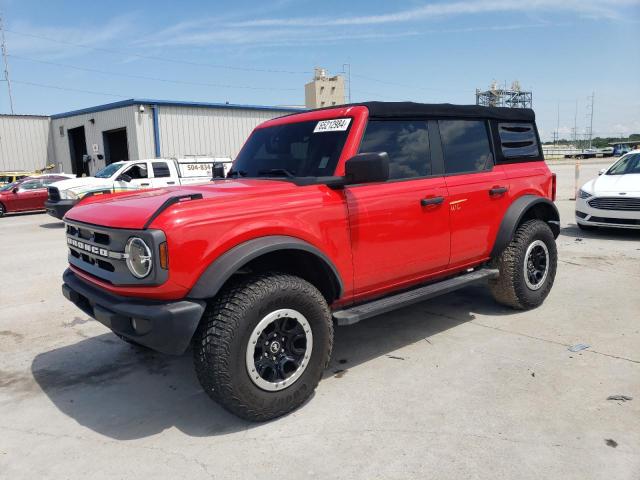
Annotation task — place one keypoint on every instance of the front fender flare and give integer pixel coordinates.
(223, 267)
(516, 212)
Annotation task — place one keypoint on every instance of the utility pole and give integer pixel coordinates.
(558, 124)
(593, 94)
(3, 46)
(348, 72)
(575, 124)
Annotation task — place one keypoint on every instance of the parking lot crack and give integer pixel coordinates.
(546, 340)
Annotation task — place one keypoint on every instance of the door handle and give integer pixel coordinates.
(425, 202)
(495, 191)
(171, 183)
(144, 184)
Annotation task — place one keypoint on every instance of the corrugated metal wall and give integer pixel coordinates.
(24, 142)
(184, 130)
(105, 120)
(219, 132)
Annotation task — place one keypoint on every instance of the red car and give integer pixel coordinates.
(327, 216)
(26, 194)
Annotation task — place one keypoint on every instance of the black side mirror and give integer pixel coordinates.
(218, 170)
(367, 168)
(123, 177)
(14, 189)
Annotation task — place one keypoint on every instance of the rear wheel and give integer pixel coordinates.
(527, 267)
(2, 210)
(263, 344)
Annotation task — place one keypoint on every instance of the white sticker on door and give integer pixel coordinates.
(335, 125)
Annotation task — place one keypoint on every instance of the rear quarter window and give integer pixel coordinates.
(518, 140)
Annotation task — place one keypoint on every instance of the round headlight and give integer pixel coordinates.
(139, 260)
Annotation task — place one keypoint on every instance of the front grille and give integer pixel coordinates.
(99, 251)
(618, 221)
(616, 203)
(89, 234)
(54, 194)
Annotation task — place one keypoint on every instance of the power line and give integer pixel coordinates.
(414, 87)
(55, 87)
(144, 77)
(160, 59)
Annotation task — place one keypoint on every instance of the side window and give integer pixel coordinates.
(31, 185)
(518, 140)
(465, 144)
(406, 143)
(161, 169)
(139, 170)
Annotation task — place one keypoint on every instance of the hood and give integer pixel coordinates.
(614, 184)
(133, 210)
(83, 185)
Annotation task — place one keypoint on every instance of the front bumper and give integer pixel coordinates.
(589, 216)
(60, 208)
(166, 327)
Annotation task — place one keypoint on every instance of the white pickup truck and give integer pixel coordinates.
(134, 175)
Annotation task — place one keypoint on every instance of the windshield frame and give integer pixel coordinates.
(276, 168)
(632, 153)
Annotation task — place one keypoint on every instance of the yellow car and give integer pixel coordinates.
(10, 177)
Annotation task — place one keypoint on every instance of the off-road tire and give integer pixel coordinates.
(221, 341)
(510, 288)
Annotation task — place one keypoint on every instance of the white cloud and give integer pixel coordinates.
(24, 38)
(290, 31)
(600, 8)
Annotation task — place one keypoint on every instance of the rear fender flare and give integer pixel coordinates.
(517, 212)
(223, 267)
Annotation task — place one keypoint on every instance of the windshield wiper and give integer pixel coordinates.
(277, 171)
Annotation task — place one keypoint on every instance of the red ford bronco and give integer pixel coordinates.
(327, 216)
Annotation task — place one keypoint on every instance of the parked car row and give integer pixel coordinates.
(27, 193)
(58, 193)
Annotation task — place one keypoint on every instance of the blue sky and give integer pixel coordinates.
(261, 52)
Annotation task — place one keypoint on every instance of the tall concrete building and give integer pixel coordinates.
(324, 91)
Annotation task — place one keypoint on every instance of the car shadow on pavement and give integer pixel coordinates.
(54, 225)
(125, 393)
(601, 233)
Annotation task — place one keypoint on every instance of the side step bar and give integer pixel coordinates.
(387, 304)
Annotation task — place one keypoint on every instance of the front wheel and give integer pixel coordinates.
(527, 267)
(263, 344)
(2, 210)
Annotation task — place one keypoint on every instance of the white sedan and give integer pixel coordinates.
(613, 198)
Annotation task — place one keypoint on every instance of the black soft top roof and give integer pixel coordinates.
(412, 109)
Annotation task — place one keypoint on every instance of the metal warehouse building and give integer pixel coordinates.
(24, 142)
(84, 141)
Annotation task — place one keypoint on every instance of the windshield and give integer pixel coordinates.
(9, 186)
(109, 170)
(628, 164)
(305, 149)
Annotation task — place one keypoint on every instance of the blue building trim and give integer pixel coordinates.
(169, 103)
(156, 130)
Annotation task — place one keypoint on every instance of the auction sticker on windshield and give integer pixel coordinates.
(335, 125)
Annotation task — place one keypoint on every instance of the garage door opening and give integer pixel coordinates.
(115, 145)
(77, 151)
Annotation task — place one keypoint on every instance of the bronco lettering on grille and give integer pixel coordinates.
(103, 252)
